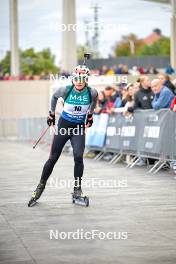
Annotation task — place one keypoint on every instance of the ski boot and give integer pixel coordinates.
(79, 198)
(36, 194)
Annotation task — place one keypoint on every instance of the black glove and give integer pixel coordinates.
(89, 120)
(51, 119)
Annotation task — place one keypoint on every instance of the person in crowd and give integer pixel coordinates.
(100, 102)
(173, 104)
(123, 94)
(173, 108)
(125, 69)
(106, 100)
(169, 69)
(110, 71)
(141, 70)
(129, 98)
(118, 70)
(118, 99)
(136, 86)
(142, 100)
(103, 70)
(151, 70)
(127, 101)
(163, 95)
(134, 71)
(143, 97)
(165, 81)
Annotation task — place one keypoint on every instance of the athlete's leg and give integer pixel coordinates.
(78, 145)
(56, 149)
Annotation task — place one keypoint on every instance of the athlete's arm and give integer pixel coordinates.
(61, 92)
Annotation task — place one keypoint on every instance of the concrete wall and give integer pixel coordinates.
(24, 99)
(27, 99)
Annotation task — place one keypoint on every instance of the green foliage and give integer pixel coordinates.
(5, 63)
(32, 63)
(128, 46)
(159, 48)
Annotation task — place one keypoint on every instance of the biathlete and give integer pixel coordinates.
(79, 101)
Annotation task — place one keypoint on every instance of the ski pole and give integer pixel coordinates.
(42, 135)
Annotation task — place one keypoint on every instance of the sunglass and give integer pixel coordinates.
(80, 79)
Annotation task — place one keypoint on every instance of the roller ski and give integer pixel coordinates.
(78, 197)
(36, 194)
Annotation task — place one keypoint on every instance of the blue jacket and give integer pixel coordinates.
(163, 99)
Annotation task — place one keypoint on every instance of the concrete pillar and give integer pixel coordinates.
(173, 34)
(68, 55)
(14, 64)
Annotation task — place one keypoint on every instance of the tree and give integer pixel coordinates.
(38, 62)
(5, 63)
(32, 63)
(159, 48)
(128, 46)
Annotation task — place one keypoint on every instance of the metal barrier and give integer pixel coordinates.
(147, 134)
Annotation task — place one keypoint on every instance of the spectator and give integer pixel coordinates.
(151, 70)
(128, 101)
(103, 70)
(110, 71)
(144, 97)
(130, 94)
(165, 81)
(173, 105)
(125, 69)
(141, 70)
(134, 71)
(169, 69)
(105, 100)
(120, 96)
(136, 86)
(163, 95)
(119, 69)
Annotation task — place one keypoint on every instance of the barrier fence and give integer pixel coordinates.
(148, 133)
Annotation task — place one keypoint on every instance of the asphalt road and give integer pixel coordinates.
(134, 208)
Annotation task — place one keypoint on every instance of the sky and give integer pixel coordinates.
(39, 22)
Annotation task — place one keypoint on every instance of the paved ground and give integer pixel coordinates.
(144, 212)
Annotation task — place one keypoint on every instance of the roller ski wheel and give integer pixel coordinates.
(32, 202)
(36, 194)
(78, 198)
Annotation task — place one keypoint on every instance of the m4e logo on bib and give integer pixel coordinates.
(79, 98)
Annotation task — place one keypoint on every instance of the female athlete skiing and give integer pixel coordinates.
(79, 101)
